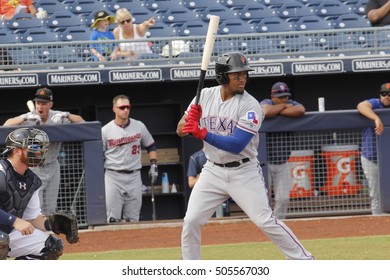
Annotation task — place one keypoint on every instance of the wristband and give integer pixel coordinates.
(153, 161)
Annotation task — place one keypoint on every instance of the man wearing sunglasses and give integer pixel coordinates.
(123, 139)
(368, 152)
(279, 147)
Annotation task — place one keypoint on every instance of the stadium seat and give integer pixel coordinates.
(351, 21)
(292, 11)
(141, 14)
(312, 23)
(225, 45)
(114, 5)
(190, 58)
(234, 26)
(199, 5)
(311, 51)
(86, 7)
(7, 37)
(176, 16)
(236, 4)
(193, 28)
(150, 59)
(349, 2)
(61, 20)
(22, 22)
(311, 3)
(75, 33)
(219, 10)
(253, 13)
(50, 6)
(160, 6)
(274, 24)
(360, 7)
(160, 29)
(25, 55)
(274, 4)
(37, 35)
(331, 9)
(351, 49)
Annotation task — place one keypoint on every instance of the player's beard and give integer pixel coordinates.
(238, 92)
(23, 158)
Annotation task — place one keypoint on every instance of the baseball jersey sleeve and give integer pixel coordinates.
(251, 117)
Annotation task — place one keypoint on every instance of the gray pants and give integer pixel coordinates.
(371, 171)
(280, 180)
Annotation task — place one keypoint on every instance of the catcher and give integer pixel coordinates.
(24, 231)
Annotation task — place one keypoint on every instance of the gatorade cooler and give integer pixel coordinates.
(301, 163)
(341, 169)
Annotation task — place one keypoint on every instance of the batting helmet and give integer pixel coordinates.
(32, 139)
(231, 62)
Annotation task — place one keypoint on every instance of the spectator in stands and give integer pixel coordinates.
(378, 12)
(279, 147)
(123, 139)
(368, 150)
(49, 172)
(101, 32)
(8, 8)
(126, 30)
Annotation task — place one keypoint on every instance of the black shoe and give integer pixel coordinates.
(112, 220)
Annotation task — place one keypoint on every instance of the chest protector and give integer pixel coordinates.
(17, 192)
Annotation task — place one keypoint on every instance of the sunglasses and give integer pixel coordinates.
(123, 107)
(125, 21)
(384, 94)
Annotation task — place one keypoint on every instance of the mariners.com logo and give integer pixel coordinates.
(18, 80)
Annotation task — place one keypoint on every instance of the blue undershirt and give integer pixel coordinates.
(234, 143)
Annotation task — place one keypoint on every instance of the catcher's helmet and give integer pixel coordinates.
(231, 62)
(32, 139)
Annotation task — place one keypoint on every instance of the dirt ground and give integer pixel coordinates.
(220, 231)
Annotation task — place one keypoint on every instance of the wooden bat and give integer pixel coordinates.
(31, 106)
(207, 51)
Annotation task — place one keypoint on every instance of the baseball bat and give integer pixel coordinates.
(31, 106)
(207, 52)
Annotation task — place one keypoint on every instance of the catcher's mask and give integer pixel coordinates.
(35, 141)
(232, 62)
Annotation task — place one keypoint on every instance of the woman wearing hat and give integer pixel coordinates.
(126, 30)
(101, 32)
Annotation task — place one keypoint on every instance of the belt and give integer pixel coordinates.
(233, 163)
(124, 171)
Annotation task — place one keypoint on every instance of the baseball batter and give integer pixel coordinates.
(49, 172)
(228, 119)
(123, 139)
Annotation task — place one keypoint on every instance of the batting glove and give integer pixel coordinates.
(32, 117)
(193, 128)
(153, 172)
(195, 112)
(59, 116)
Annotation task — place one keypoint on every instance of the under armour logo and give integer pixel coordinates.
(22, 186)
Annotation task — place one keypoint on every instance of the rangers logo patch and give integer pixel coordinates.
(252, 116)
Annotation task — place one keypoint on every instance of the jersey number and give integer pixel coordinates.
(135, 149)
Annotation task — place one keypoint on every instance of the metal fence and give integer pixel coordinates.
(282, 46)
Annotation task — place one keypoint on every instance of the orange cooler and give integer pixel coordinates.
(341, 170)
(301, 165)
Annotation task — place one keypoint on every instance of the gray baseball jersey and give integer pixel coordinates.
(221, 117)
(49, 173)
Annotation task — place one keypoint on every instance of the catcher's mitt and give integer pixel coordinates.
(65, 222)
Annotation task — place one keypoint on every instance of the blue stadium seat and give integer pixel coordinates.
(75, 33)
(236, 4)
(292, 11)
(178, 15)
(219, 10)
(37, 35)
(8, 37)
(160, 29)
(351, 21)
(22, 22)
(190, 57)
(275, 24)
(331, 9)
(160, 6)
(253, 13)
(193, 28)
(25, 55)
(141, 14)
(311, 3)
(199, 5)
(312, 23)
(61, 20)
(360, 7)
(234, 26)
(50, 6)
(274, 4)
(114, 5)
(224, 45)
(86, 7)
(349, 2)
(311, 51)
